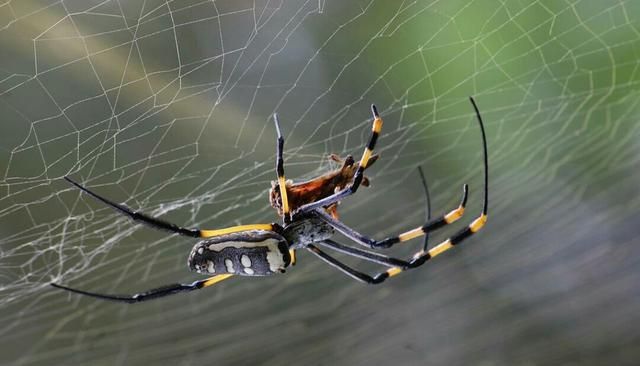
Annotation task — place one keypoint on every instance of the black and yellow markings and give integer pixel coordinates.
(422, 256)
(454, 215)
(215, 279)
(393, 271)
(235, 229)
(292, 254)
(375, 132)
(244, 253)
(283, 195)
(437, 223)
(478, 223)
(447, 219)
(473, 228)
(411, 234)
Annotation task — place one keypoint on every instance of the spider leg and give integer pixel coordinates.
(417, 260)
(286, 217)
(424, 255)
(430, 225)
(138, 216)
(292, 254)
(358, 176)
(428, 203)
(353, 273)
(151, 294)
(356, 274)
(364, 254)
(164, 225)
(280, 172)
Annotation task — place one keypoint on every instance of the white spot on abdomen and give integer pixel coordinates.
(274, 258)
(229, 264)
(210, 267)
(246, 261)
(248, 271)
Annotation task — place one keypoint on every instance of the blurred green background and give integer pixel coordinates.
(166, 106)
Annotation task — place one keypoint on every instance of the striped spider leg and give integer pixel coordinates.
(421, 256)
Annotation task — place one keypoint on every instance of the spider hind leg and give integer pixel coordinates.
(150, 294)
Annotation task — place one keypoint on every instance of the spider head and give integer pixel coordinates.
(307, 229)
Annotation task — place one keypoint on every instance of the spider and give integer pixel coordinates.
(264, 249)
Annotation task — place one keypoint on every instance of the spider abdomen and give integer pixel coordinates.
(246, 253)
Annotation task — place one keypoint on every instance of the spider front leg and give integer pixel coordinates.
(280, 173)
(358, 177)
(157, 223)
(286, 217)
(359, 275)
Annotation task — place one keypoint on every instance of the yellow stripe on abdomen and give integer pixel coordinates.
(235, 229)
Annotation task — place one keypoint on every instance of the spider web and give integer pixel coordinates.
(166, 106)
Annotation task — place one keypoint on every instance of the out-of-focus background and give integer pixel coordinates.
(166, 106)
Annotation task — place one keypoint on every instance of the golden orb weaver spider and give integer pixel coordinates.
(264, 249)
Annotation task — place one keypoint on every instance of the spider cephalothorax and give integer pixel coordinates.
(265, 249)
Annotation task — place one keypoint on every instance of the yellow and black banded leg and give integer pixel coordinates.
(397, 266)
(358, 176)
(429, 226)
(424, 255)
(151, 294)
(164, 225)
(280, 172)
